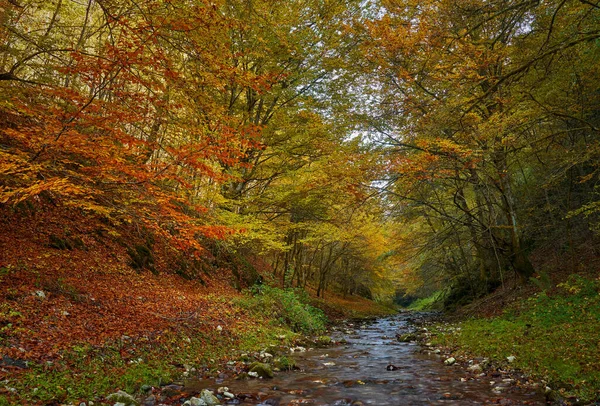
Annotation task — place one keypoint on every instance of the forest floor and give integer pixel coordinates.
(546, 331)
(78, 322)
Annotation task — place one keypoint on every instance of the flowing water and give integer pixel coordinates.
(356, 374)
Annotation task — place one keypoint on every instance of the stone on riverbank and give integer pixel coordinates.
(122, 397)
(263, 370)
(209, 398)
(450, 361)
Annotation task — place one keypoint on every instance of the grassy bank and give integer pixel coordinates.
(262, 318)
(553, 335)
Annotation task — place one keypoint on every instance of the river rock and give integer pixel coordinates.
(195, 402)
(406, 338)
(475, 368)
(122, 397)
(209, 398)
(149, 401)
(263, 370)
(450, 361)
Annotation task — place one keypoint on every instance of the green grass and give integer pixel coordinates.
(555, 337)
(428, 303)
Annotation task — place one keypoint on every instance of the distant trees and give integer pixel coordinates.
(488, 114)
(193, 120)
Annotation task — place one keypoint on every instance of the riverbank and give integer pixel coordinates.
(63, 343)
(550, 340)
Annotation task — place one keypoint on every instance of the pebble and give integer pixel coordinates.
(450, 361)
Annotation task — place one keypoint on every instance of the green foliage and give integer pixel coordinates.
(85, 373)
(288, 307)
(543, 281)
(434, 301)
(553, 336)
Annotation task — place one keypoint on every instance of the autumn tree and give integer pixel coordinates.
(467, 116)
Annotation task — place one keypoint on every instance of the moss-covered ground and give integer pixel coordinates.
(554, 336)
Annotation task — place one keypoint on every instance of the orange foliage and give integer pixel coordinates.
(129, 129)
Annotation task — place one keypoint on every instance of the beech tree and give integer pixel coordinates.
(466, 111)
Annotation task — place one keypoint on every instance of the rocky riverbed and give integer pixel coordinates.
(378, 362)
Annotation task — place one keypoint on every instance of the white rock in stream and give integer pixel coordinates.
(450, 361)
(195, 402)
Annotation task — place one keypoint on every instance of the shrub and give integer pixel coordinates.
(287, 306)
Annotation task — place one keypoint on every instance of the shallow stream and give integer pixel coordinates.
(357, 373)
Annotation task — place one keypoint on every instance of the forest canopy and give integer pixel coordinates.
(356, 146)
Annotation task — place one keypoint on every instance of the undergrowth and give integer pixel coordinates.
(84, 372)
(432, 302)
(554, 336)
(287, 307)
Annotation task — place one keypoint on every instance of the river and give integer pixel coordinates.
(357, 373)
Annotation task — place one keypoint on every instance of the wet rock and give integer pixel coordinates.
(263, 370)
(284, 363)
(122, 397)
(475, 369)
(450, 361)
(209, 398)
(149, 401)
(171, 390)
(195, 402)
(406, 338)
(324, 341)
(271, 402)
